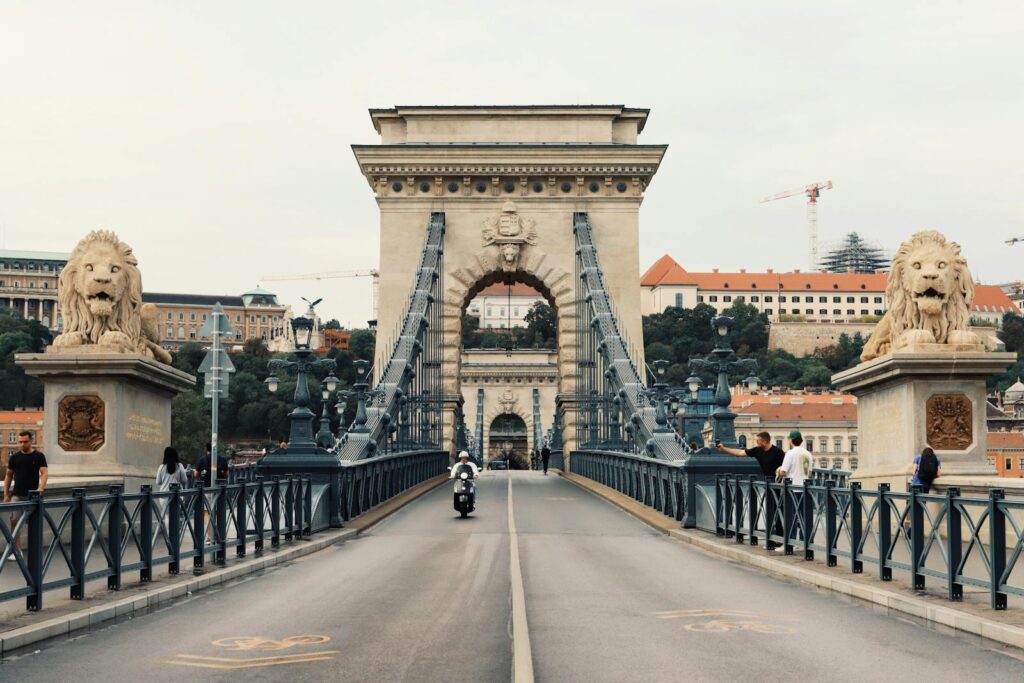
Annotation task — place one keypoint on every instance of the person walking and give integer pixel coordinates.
(26, 472)
(205, 466)
(927, 468)
(545, 456)
(171, 471)
(768, 455)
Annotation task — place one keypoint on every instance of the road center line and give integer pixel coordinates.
(522, 655)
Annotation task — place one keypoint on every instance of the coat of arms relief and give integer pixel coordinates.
(510, 232)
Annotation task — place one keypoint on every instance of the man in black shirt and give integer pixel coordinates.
(768, 455)
(27, 470)
(203, 467)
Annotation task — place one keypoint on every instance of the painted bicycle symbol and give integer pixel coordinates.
(719, 626)
(243, 643)
(725, 621)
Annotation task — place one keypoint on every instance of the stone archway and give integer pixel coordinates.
(507, 437)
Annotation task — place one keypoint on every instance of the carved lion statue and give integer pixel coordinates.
(929, 294)
(100, 299)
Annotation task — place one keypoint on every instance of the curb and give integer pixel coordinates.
(933, 615)
(161, 597)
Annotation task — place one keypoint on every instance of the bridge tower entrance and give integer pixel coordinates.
(509, 180)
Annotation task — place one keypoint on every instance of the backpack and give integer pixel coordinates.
(928, 468)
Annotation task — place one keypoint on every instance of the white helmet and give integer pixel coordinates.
(464, 454)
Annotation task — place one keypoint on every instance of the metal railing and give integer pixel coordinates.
(958, 540)
(68, 541)
(652, 482)
(366, 483)
(557, 460)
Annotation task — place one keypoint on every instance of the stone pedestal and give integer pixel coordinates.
(927, 397)
(107, 416)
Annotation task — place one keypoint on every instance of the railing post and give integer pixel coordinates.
(146, 534)
(275, 511)
(199, 526)
(997, 547)
(34, 601)
(78, 544)
(856, 524)
(884, 533)
(728, 507)
(259, 511)
(738, 508)
(220, 509)
(242, 517)
(770, 511)
(752, 510)
(830, 525)
(788, 517)
(807, 513)
(289, 509)
(955, 551)
(916, 537)
(173, 516)
(719, 506)
(308, 515)
(114, 522)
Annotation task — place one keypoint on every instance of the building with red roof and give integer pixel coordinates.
(13, 422)
(504, 306)
(815, 297)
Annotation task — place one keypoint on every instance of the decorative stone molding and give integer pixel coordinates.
(81, 423)
(948, 420)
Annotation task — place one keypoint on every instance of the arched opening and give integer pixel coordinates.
(507, 440)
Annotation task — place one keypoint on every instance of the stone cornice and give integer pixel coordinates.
(490, 160)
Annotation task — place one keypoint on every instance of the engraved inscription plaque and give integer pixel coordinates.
(80, 423)
(949, 422)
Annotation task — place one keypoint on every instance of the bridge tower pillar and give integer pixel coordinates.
(509, 179)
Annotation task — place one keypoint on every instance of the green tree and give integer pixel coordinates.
(541, 326)
(361, 344)
(190, 425)
(331, 324)
(1012, 333)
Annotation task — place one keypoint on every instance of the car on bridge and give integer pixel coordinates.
(497, 465)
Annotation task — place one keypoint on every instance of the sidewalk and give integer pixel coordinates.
(973, 615)
(62, 616)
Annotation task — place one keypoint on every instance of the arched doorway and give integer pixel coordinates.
(507, 440)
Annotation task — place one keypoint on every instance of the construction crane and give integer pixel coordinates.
(332, 275)
(1014, 240)
(812, 192)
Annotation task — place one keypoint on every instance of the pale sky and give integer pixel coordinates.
(214, 136)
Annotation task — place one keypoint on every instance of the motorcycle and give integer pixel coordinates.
(465, 494)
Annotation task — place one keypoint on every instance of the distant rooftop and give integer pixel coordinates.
(190, 299)
(34, 255)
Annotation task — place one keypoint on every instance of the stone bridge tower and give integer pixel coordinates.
(509, 179)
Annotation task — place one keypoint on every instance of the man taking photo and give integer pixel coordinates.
(768, 455)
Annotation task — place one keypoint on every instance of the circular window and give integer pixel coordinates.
(594, 187)
(509, 187)
(537, 187)
(481, 188)
(424, 187)
(621, 187)
(566, 187)
(397, 187)
(453, 187)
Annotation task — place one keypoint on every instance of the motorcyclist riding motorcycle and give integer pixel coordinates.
(465, 473)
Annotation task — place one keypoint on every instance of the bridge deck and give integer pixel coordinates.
(424, 596)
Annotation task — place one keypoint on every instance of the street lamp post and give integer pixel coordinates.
(343, 397)
(301, 440)
(723, 361)
(324, 438)
(658, 396)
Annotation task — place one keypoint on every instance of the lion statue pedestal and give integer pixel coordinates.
(108, 383)
(922, 382)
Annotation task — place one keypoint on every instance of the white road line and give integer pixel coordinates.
(522, 655)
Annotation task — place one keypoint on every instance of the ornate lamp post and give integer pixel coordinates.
(300, 440)
(324, 438)
(340, 405)
(658, 396)
(361, 385)
(722, 418)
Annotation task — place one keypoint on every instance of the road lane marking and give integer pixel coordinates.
(254, 665)
(522, 655)
(742, 621)
(297, 655)
(256, 643)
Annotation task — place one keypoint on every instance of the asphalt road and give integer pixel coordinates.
(425, 596)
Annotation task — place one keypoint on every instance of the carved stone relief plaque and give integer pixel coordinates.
(81, 423)
(949, 422)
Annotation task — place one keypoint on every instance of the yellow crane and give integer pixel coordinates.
(812, 192)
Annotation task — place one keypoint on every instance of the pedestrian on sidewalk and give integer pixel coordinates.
(768, 455)
(798, 461)
(26, 471)
(545, 456)
(927, 468)
(171, 471)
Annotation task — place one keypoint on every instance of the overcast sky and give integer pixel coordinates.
(214, 136)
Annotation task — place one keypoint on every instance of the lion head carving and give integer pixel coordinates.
(100, 299)
(930, 292)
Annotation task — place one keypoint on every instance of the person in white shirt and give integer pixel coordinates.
(798, 463)
(464, 461)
